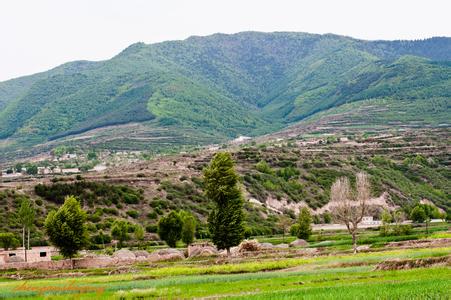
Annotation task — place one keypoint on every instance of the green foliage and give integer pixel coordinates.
(189, 227)
(26, 214)
(294, 229)
(133, 213)
(32, 169)
(262, 166)
(139, 233)
(327, 217)
(8, 240)
(170, 228)
(418, 214)
(119, 231)
(187, 87)
(66, 227)
(305, 224)
(221, 187)
(386, 220)
(89, 192)
(422, 212)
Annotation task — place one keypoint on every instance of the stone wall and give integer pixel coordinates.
(79, 263)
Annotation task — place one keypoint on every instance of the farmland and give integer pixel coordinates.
(334, 272)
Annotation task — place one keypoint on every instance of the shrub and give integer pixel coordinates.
(152, 215)
(327, 218)
(263, 167)
(152, 228)
(133, 213)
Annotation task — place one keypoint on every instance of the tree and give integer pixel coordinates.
(189, 227)
(139, 234)
(284, 224)
(170, 228)
(225, 221)
(26, 215)
(66, 227)
(32, 169)
(8, 240)
(386, 220)
(18, 167)
(119, 231)
(350, 207)
(418, 215)
(305, 224)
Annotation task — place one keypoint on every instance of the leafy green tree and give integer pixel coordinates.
(294, 229)
(32, 169)
(418, 215)
(386, 220)
(170, 228)
(189, 227)
(26, 215)
(221, 186)
(305, 224)
(66, 227)
(8, 240)
(18, 167)
(139, 234)
(119, 231)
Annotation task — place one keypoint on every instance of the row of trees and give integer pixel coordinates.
(176, 226)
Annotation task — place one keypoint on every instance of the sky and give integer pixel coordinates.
(36, 35)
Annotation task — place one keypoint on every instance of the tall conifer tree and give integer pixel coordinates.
(221, 186)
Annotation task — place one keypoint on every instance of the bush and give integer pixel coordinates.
(263, 167)
(152, 215)
(400, 230)
(152, 228)
(133, 213)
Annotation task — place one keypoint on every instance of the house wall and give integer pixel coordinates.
(33, 255)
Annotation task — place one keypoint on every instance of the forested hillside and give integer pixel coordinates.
(214, 88)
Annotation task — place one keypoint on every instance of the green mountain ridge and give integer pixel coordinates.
(224, 85)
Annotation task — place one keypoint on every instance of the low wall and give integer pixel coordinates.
(79, 263)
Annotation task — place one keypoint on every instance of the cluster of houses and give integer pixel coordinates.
(41, 171)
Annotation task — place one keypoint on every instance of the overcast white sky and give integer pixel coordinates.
(36, 35)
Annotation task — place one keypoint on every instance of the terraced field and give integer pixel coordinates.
(339, 275)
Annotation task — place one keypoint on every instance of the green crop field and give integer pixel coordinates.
(340, 276)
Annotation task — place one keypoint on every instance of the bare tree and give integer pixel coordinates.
(284, 223)
(350, 206)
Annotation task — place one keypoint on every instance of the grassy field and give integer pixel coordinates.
(339, 276)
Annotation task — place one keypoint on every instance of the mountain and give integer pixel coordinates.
(209, 89)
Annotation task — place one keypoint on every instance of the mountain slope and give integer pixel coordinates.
(221, 86)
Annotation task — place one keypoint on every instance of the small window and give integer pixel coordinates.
(42, 254)
(12, 254)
